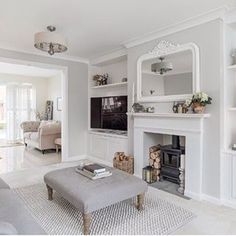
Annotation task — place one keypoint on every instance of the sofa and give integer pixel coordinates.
(41, 134)
(14, 217)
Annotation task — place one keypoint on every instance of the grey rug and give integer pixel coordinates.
(60, 217)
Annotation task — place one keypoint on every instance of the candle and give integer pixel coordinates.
(182, 161)
(133, 94)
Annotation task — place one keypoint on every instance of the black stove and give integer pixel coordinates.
(170, 160)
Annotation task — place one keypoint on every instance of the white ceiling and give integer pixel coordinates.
(93, 27)
(26, 70)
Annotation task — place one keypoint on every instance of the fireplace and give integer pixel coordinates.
(170, 160)
(152, 129)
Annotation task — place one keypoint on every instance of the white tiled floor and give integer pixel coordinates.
(19, 158)
(211, 219)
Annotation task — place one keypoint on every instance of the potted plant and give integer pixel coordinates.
(198, 102)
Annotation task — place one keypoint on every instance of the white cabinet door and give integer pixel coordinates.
(116, 145)
(98, 146)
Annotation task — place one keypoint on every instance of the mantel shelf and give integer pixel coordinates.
(170, 115)
(110, 85)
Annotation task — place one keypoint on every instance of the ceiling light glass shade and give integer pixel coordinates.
(161, 67)
(50, 41)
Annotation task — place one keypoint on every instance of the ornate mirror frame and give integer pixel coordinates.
(164, 48)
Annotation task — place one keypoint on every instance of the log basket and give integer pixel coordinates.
(123, 162)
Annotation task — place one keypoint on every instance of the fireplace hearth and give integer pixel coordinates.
(170, 160)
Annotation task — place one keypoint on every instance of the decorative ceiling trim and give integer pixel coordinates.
(218, 13)
(60, 57)
(109, 56)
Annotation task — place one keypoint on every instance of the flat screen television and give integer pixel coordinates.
(109, 113)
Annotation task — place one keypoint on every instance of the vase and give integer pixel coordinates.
(198, 107)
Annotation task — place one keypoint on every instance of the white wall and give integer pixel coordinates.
(209, 38)
(77, 100)
(116, 71)
(39, 83)
(54, 92)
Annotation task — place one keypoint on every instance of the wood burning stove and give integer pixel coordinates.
(170, 160)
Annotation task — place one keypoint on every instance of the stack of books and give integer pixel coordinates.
(93, 171)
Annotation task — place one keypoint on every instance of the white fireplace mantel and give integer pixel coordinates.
(170, 115)
(189, 125)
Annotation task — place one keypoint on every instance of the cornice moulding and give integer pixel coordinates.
(218, 13)
(109, 56)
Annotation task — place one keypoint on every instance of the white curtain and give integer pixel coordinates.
(20, 106)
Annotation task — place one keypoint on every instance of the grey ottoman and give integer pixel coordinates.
(91, 195)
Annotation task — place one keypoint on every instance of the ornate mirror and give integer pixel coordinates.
(168, 73)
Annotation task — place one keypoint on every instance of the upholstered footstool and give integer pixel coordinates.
(90, 195)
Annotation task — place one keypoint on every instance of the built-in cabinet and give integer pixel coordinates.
(228, 157)
(103, 146)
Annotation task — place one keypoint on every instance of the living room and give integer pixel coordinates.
(146, 102)
(26, 91)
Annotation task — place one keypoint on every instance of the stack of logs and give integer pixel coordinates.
(155, 160)
(123, 162)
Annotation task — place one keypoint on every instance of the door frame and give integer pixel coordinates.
(64, 84)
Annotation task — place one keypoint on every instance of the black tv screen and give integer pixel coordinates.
(109, 113)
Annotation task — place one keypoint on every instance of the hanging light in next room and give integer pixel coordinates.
(50, 41)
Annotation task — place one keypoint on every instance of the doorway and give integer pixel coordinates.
(32, 110)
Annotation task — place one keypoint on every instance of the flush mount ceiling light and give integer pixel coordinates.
(50, 41)
(162, 66)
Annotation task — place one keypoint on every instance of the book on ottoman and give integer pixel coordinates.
(93, 171)
(94, 168)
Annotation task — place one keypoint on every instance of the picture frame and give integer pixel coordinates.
(59, 103)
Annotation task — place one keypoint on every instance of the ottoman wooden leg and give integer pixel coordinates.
(140, 200)
(86, 222)
(50, 193)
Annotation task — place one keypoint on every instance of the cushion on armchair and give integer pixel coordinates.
(51, 128)
(30, 126)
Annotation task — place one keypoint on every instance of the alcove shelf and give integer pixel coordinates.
(122, 84)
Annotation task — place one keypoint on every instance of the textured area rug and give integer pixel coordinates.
(60, 217)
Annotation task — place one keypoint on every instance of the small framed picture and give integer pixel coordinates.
(59, 104)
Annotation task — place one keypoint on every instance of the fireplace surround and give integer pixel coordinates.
(188, 125)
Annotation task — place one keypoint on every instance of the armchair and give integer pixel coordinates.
(41, 135)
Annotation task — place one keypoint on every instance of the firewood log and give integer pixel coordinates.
(154, 148)
(153, 155)
(157, 165)
(151, 162)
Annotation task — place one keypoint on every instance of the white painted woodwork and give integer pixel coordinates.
(190, 127)
(103, 146)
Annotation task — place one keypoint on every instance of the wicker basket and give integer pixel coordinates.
(122, 162)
